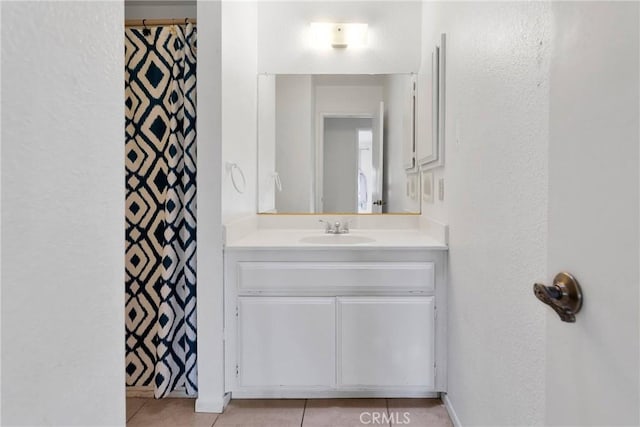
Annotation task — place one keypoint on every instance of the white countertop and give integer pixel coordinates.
(290, 238)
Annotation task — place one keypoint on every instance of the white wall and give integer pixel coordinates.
(294, 142)
(209, 292)
(239, 104)
(227, 108)
(159, 9)
(394, 37)
(496, 205)
(63, 213)
(593, 365)
(348, 94)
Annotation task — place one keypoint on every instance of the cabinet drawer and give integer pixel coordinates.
(336, 277)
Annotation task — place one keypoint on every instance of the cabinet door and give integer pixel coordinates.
(288, 342)
(386, 341)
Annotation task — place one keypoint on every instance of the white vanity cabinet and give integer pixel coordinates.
(338, 322)
(286, 341)
(386, 342)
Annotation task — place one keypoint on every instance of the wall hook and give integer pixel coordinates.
(145, 31)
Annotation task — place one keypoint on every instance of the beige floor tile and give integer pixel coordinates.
(262, 413)
(133, 405)
(344, 412)
(420, 412)
(171, 413)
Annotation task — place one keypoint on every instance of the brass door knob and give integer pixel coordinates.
(564, 296)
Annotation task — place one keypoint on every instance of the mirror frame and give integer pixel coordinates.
(435, 132)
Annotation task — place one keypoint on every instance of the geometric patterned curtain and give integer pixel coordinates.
(160, 104)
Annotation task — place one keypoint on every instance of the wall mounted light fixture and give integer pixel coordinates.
(339, 35)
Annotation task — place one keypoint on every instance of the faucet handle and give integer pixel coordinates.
(346, 223)
(327, 225)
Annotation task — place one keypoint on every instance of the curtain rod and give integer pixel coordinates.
(157, 22)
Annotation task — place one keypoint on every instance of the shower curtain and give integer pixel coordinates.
(160, 157)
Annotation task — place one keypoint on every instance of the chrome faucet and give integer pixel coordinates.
(336, 227)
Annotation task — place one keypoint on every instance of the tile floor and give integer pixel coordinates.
(294, 412)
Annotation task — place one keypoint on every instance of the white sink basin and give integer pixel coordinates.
(336, 239)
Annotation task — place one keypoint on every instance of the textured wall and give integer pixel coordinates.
(496, 199)
(239, 105)
(227, 118)
(63, 213)
(209, 288)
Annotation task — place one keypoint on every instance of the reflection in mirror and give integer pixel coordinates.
(337, 144)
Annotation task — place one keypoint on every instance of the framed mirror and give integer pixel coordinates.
(337, 144)
(431, 110)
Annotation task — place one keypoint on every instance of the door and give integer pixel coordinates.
(592, 365)
(386, 342)
(340, 163)
(378, 150)
(365, 170)
(286, 341)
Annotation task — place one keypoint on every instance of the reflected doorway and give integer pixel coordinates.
(349, 163)
(347, 180)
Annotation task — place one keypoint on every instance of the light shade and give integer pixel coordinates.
(339, 35)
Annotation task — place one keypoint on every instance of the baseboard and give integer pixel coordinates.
(452, 412)
(147, 392)
(215, 406)
(333, 394)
